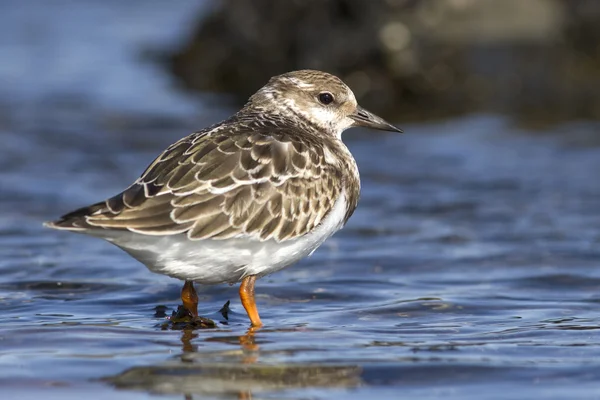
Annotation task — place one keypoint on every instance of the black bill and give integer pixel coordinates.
(367, 119)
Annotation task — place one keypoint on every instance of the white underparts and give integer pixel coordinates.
(219, 261)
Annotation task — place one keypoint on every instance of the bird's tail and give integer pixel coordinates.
(76, 220)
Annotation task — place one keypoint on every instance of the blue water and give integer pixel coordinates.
(469, 271)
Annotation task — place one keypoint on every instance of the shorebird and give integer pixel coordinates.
(245, 197)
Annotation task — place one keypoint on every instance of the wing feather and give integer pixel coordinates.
(237, 184)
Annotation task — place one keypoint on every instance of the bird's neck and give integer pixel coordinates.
(287, 118)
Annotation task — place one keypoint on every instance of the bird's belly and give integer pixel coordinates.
(218, 261)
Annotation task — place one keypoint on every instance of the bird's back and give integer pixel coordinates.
(236, 179)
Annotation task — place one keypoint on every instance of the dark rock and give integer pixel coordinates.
(408, 58)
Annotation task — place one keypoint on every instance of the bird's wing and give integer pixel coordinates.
(217, 185)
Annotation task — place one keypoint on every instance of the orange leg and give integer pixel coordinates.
(189, 297)
(245, 395)
(247, 297)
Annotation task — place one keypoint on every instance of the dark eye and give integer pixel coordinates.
(326, 98)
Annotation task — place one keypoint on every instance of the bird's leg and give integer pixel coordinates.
(189, 297)
(247, 298)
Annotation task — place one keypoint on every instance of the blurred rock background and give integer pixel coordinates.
(537, 60)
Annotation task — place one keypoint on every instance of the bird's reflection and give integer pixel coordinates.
(187, 335)
(249, 347)
(215, 362)
(247, 342)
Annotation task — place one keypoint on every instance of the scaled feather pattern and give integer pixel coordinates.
(249, 176)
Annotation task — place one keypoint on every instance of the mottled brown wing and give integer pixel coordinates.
(219, 186)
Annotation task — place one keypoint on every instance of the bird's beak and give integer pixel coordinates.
(367, 119)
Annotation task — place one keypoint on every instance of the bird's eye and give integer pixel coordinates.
(326, 98)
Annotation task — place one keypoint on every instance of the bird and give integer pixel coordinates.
(245, 197)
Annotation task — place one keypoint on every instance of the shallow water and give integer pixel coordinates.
(469, 270)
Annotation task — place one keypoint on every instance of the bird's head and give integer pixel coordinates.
(318, 98)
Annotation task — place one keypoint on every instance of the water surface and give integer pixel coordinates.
(469, 270)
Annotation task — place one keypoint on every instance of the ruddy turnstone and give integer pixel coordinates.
(245, 197)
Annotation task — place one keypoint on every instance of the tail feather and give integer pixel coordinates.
(76, 220)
